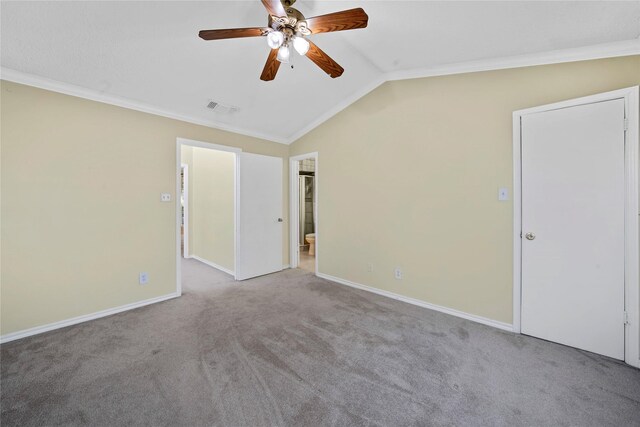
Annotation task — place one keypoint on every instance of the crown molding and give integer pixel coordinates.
(599, 51)
(337, 108)
(93, 95)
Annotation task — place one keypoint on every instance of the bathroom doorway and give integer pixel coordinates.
(304, 212)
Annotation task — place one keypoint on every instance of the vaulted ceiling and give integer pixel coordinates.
(149, 53)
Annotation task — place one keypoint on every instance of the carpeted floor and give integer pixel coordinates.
(292, 349)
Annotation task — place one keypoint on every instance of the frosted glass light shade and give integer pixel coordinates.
(283, 54)
(275, 39)
(301, 45)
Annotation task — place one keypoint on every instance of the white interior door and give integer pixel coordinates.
(573, 207)
(260, 216)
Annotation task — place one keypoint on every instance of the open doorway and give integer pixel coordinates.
(304, 212)
(232, 215)
(207, 208)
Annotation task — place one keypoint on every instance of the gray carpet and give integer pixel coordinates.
(292, 349)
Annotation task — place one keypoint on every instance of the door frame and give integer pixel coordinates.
(632, 264)
(236, 208)
(185, 238)
(294, 207)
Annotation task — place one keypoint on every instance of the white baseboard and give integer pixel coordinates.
(420, 303)
(213, 264)
(80, 319)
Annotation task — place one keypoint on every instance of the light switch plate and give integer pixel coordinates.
(503, 194)
(165, 197)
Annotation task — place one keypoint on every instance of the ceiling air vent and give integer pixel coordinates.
(221, 108)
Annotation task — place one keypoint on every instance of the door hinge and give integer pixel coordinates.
(521, 234)
(625, 317)
(626, 124)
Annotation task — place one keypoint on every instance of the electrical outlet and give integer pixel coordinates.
(165, 197)
(369, 267)
(398, 273)
(143, 278)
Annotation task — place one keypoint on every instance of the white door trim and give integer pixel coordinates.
(185, 191)
(294, 207)
(632, 263)
(192, 143)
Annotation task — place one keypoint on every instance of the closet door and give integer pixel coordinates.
(573, 242)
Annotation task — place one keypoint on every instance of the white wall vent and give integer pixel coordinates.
(221, 108)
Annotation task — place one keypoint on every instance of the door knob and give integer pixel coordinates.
(530, 236)
(279, 219)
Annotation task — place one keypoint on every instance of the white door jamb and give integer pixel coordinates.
(185, 221)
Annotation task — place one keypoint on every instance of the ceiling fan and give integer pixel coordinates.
(288, 27)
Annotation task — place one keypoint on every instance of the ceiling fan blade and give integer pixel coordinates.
(324, 61)
(232, 33)
(339, 21)
(274, 7)
(271, 67)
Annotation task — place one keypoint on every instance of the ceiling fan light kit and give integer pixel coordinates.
(275, 39)
(301, 45)
(288, 27)
(283, 54)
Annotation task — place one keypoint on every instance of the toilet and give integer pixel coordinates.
(311, 240)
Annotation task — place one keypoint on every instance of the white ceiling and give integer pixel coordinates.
(149, 52)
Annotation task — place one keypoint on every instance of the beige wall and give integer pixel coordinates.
(409, 175)
(212, 208)
(81, 210)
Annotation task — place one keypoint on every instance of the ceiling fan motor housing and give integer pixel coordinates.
(293, 24)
